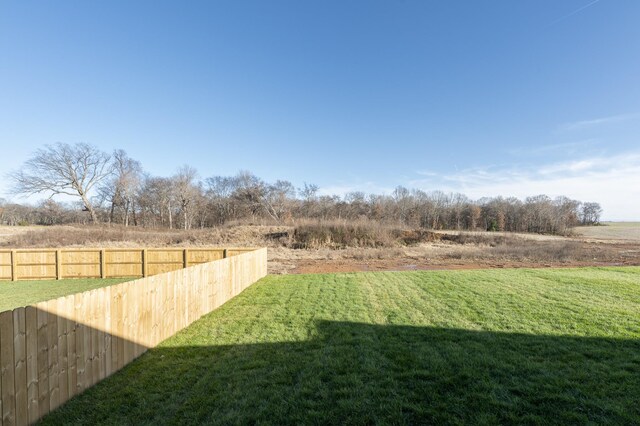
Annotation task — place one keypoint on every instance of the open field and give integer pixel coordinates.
(620, 231)
(376, 250)
(444, 347)
(14, 294)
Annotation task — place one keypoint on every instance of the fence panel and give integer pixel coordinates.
(47, 264)
(56, 349)
(35, 264)
(5, 265)
(79, 263)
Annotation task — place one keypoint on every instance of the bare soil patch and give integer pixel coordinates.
(451, 256)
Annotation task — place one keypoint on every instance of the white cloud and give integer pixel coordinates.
(578, 125)
(614, 182)
(427, 173)
(568, 167)
(567, 148)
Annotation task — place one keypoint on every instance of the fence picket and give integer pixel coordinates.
(7, 371)
(31, 334)
(43, 358)
(20, 364)
(72, 369)
(52, 331)
(63, 361)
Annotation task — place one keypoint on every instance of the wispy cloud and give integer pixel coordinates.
(427, 173)
(612, 181)
(569, 167)
(567, 148)
(578, 125)
(578, 10)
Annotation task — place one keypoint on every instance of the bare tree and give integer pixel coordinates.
(403, 199)
(309, 191)
(590, 213)
(458, 203)
(309, 195)
(157, 199)
(187, 191)
(277, 200)
(474, 216)
(121, 190)
(249, 192)
(219, 190)
(183, 201)
(64, 169)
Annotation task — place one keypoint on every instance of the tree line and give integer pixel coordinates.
(114, 188)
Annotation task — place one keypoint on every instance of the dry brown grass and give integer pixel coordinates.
(521, 250)
(565, 251)
(359, 234)
(120, 236)
(373, 254)
(339, 235)
(486, 239)
(619, 231)
(347, 244)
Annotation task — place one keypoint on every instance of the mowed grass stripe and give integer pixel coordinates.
(445, 347)
(590, 280)
(524, 300)
(15, 294)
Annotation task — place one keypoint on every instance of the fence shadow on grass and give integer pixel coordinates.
(372, 374)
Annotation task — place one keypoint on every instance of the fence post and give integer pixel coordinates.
(103, 264)
(14, 266)
(144, 263)
(58, 264)
(185, 256)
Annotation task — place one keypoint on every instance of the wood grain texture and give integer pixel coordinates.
(56, 349)
(20, 364)
(31, 338)
(7, 369)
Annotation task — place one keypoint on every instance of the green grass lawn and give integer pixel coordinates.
(14, 294)
(545, 346)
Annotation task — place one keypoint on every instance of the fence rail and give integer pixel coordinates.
(49, 263)
(54, 350)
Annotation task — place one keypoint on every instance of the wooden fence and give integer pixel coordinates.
(43, 264)
(54, 350)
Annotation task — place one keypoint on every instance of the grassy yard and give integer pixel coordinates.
(451, 347)
(14, 294)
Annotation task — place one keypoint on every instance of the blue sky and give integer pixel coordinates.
(486, 98)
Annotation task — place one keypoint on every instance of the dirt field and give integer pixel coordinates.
(448, 256)
(612, 245)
